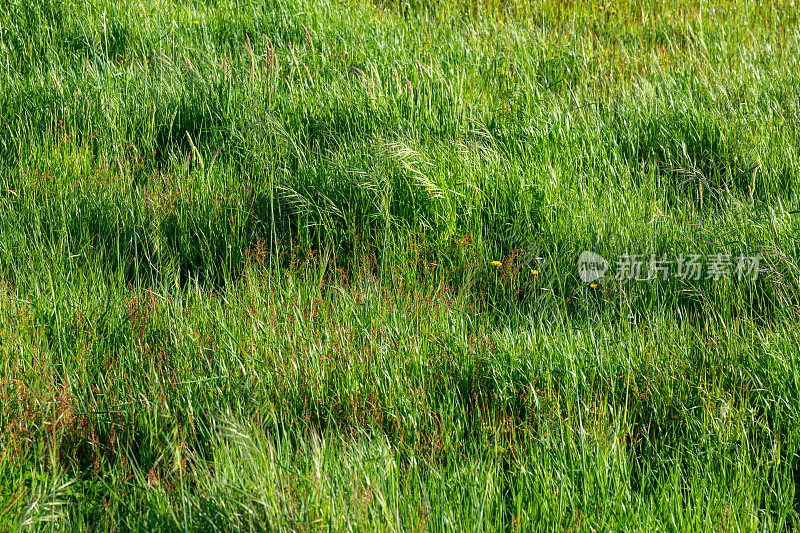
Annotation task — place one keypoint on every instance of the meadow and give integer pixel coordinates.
(312, 265)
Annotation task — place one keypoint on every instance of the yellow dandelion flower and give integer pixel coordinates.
(497, 263)
(535, 272)
(612, 11)
(602, 8)
(196, 22)
(593, 285)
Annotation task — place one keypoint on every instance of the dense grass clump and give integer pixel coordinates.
(313, 266)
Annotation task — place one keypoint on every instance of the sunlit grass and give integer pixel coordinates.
(301, 265)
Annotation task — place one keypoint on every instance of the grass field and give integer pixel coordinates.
(313, 265)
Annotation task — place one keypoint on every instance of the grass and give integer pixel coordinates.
(246, 276)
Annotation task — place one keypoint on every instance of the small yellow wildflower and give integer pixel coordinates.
(535, 272)
(593, 285)
(497, 263)
(602, 8)
(196, 22)
(612, 11)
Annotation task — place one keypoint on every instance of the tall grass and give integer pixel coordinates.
(246, 274)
